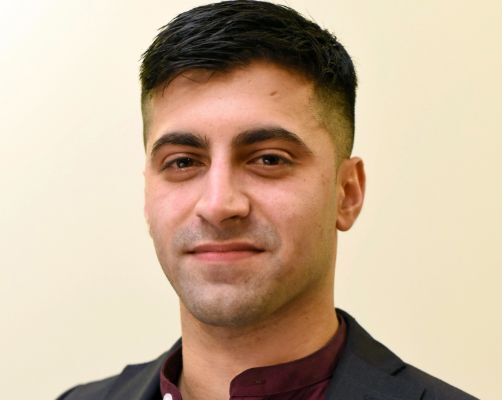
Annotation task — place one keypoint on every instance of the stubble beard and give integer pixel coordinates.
(245, 299)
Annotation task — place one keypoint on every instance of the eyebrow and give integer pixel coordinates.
(245, 138)
(179, 139)
(253, 136)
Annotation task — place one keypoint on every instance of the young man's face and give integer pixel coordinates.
(240, 193)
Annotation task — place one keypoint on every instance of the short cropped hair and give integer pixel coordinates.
(229, 34)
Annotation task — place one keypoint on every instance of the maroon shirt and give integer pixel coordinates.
(305, 379)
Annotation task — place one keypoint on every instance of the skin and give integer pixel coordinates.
(243, 199)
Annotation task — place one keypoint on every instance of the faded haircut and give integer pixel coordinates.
(222, 36)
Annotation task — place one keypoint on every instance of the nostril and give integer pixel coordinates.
(222, 204)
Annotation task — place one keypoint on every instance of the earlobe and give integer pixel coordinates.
(351, 187)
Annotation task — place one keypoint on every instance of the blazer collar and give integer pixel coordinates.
(140, 381)
(367, 370)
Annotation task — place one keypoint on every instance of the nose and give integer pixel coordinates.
(222, 199)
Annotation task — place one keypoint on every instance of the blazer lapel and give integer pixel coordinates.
(137, 382)
(140, 382)
(367, 370)
(355, 379)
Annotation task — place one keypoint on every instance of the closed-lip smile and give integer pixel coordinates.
(224, 251)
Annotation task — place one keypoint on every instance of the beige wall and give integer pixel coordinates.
(80, 288)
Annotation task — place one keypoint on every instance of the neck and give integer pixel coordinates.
(213, 356)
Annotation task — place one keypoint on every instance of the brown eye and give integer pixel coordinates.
(181, 167)
(184, 162)
(275, 164)
(271, 159)
(180, 163)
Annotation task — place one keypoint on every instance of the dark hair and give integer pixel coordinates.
(224, 35)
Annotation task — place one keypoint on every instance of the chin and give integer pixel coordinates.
(227, 310)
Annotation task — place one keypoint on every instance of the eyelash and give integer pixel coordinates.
(172, 163)
(267, 164)
(281, 159)
(278, 158)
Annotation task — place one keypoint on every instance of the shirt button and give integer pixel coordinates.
(168, 396)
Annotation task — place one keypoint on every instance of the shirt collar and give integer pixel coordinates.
(268, 380)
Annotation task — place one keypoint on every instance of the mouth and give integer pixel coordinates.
(220, 252)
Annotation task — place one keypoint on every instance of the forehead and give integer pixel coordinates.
(217, 104)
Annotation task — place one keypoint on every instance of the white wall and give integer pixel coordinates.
(80, 289)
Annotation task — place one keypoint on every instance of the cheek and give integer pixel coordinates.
(305, 216)
(166, 206)
(301, 201)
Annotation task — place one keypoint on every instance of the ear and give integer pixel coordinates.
(351, 181)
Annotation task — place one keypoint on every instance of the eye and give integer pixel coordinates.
(181, 167)
(184, 162)
(181, 163)
(270, 160)
(275, 164)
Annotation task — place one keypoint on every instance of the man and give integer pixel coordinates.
(248, 114)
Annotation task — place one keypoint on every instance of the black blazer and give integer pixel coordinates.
(366, 370)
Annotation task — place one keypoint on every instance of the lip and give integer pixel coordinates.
(230, 251)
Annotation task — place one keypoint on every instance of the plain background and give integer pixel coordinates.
(80, 288)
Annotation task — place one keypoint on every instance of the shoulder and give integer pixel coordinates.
(134, 381)
(371, 370)
(94, 390)
(435, 389)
